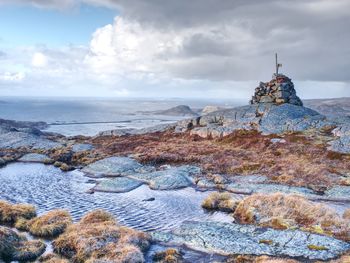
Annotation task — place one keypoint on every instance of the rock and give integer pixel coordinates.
(24, 134)
(279, 90)
(117, 185)
(338, 192)
(341, 144)
(35, 158)
(82, 147)
(278, 140)
(2, 162)
(169, 178)
(149, 199)
(230, 238)
(250, 188)
(115, 166)
(210, 109)
(267, 118)
(122, 132)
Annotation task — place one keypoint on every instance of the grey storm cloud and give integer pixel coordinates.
(236, 39)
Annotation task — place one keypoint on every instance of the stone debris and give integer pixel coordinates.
(279, 90)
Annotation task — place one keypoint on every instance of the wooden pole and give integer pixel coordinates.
(276, 64)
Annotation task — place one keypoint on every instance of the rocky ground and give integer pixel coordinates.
(261, 149)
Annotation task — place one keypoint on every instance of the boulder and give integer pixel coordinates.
(82, 147)
(115, 166)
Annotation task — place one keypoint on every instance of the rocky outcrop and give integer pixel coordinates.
(230, 238)
(15, 134)
(267, 118)
(279, 90)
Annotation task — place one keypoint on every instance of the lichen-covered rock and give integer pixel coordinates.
(35, 158)
(115, 166)
(341, 144)
(117, 185)
(228, 238)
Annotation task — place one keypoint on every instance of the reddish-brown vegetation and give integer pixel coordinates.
(10, 213)
(301, 160)
(291, 211)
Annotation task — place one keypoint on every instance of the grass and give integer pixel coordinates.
(50, 224)
(14, 247)
(10, 213)
(52, 258)
(346, 214)
(97, 236)
(220, 201)
(171, 255)
(281, 211)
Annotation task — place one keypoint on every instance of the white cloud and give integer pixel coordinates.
(39, 60)
(198, 48)
(12, 77)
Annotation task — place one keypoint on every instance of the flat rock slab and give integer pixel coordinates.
(170, 178)
(339, 192)
(35, 158)
(82, 147)
(115, 166)
(17, 139)
(228, 238)
(342, 144)
(251, 188)
(117, 185)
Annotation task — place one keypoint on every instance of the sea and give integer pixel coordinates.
(89, 116)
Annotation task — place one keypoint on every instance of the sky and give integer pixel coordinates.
(165, 48)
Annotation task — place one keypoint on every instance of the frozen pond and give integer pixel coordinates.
(49, 188)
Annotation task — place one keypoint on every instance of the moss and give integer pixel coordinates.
(57, 164)
(50, 224)
(65, 167)
(315, 247)
(10, 213)
(171, 255)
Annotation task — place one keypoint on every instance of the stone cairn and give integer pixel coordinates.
(279, 90)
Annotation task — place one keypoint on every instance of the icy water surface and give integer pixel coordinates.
(49, 188)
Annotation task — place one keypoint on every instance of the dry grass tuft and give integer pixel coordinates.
(171, 255)
(283, 211)
(97, 238)
(50, 224)
(10, 213)
(346, 214)
(52, 258)
(14, 247)
(97, 216)
(220, 201)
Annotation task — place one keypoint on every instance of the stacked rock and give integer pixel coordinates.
(279, 90)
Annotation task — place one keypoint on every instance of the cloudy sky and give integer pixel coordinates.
(166, 48)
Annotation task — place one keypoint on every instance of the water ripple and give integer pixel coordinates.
(49, 188)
